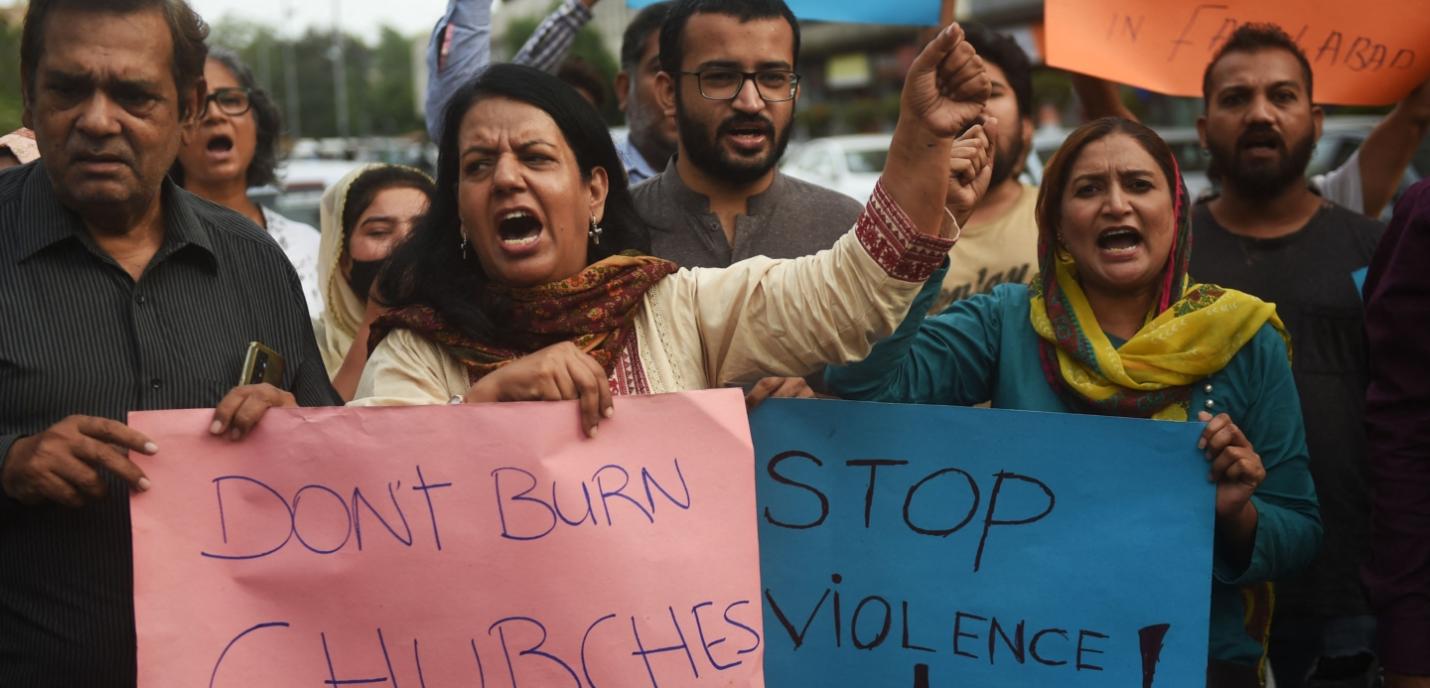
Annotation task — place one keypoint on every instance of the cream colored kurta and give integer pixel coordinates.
(710, 327)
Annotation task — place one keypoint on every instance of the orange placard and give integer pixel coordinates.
(1361, 53)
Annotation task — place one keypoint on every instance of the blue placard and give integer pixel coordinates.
(1358, 277)
(903, 12)
(938, 546)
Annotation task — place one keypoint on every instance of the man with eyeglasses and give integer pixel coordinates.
(729, 78)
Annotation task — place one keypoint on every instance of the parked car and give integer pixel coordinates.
(852, 164)
(1182, 140)
(1342, 136)
(848, 164)
(301, 184)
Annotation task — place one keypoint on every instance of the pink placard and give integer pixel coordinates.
(452, 546)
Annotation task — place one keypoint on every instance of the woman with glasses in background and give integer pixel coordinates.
(233, 146)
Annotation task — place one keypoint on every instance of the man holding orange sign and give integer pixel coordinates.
(1359, 58)
(1269, 234)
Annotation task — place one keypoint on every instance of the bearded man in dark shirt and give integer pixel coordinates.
(1269, 234)
(120, 292)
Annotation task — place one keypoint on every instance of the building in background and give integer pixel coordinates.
(852, 73)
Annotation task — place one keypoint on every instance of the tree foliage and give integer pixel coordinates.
(588, 47)
(298, 72)
(10, 100)
(379, 78)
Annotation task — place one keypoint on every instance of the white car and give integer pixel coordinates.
(850, 165)
(1343, 135)
(301, 186)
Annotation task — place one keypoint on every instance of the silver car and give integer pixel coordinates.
(848, 164)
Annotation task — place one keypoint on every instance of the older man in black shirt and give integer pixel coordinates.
(119, 292)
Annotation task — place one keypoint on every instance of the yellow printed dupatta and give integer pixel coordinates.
(1191, 332)
(1151, 374)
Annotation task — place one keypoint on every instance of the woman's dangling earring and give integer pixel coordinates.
(1060, 251)
(595, 231)
(463, 246)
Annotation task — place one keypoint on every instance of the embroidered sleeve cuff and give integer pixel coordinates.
(891, 239)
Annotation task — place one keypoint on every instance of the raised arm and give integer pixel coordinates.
(763, 317)
(948, 358)
(460, 46)
(1389, 148)
(1099, 98)
(552, 40)
(944, 93)
(767, 317)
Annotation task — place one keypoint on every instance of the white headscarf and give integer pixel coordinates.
(343, 310)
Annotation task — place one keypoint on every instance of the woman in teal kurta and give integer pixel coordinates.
(1120, 244)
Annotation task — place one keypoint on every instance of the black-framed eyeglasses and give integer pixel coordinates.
(719, 83)
(230, 101)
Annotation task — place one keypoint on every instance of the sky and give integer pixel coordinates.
(362, 17)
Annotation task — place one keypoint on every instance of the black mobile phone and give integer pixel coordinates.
(261, 364)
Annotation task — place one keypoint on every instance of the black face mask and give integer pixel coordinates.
(362, 274)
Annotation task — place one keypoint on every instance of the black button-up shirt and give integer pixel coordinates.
(80, 336)
(1307, 274)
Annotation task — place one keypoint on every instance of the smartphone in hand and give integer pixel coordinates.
(260, 365)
